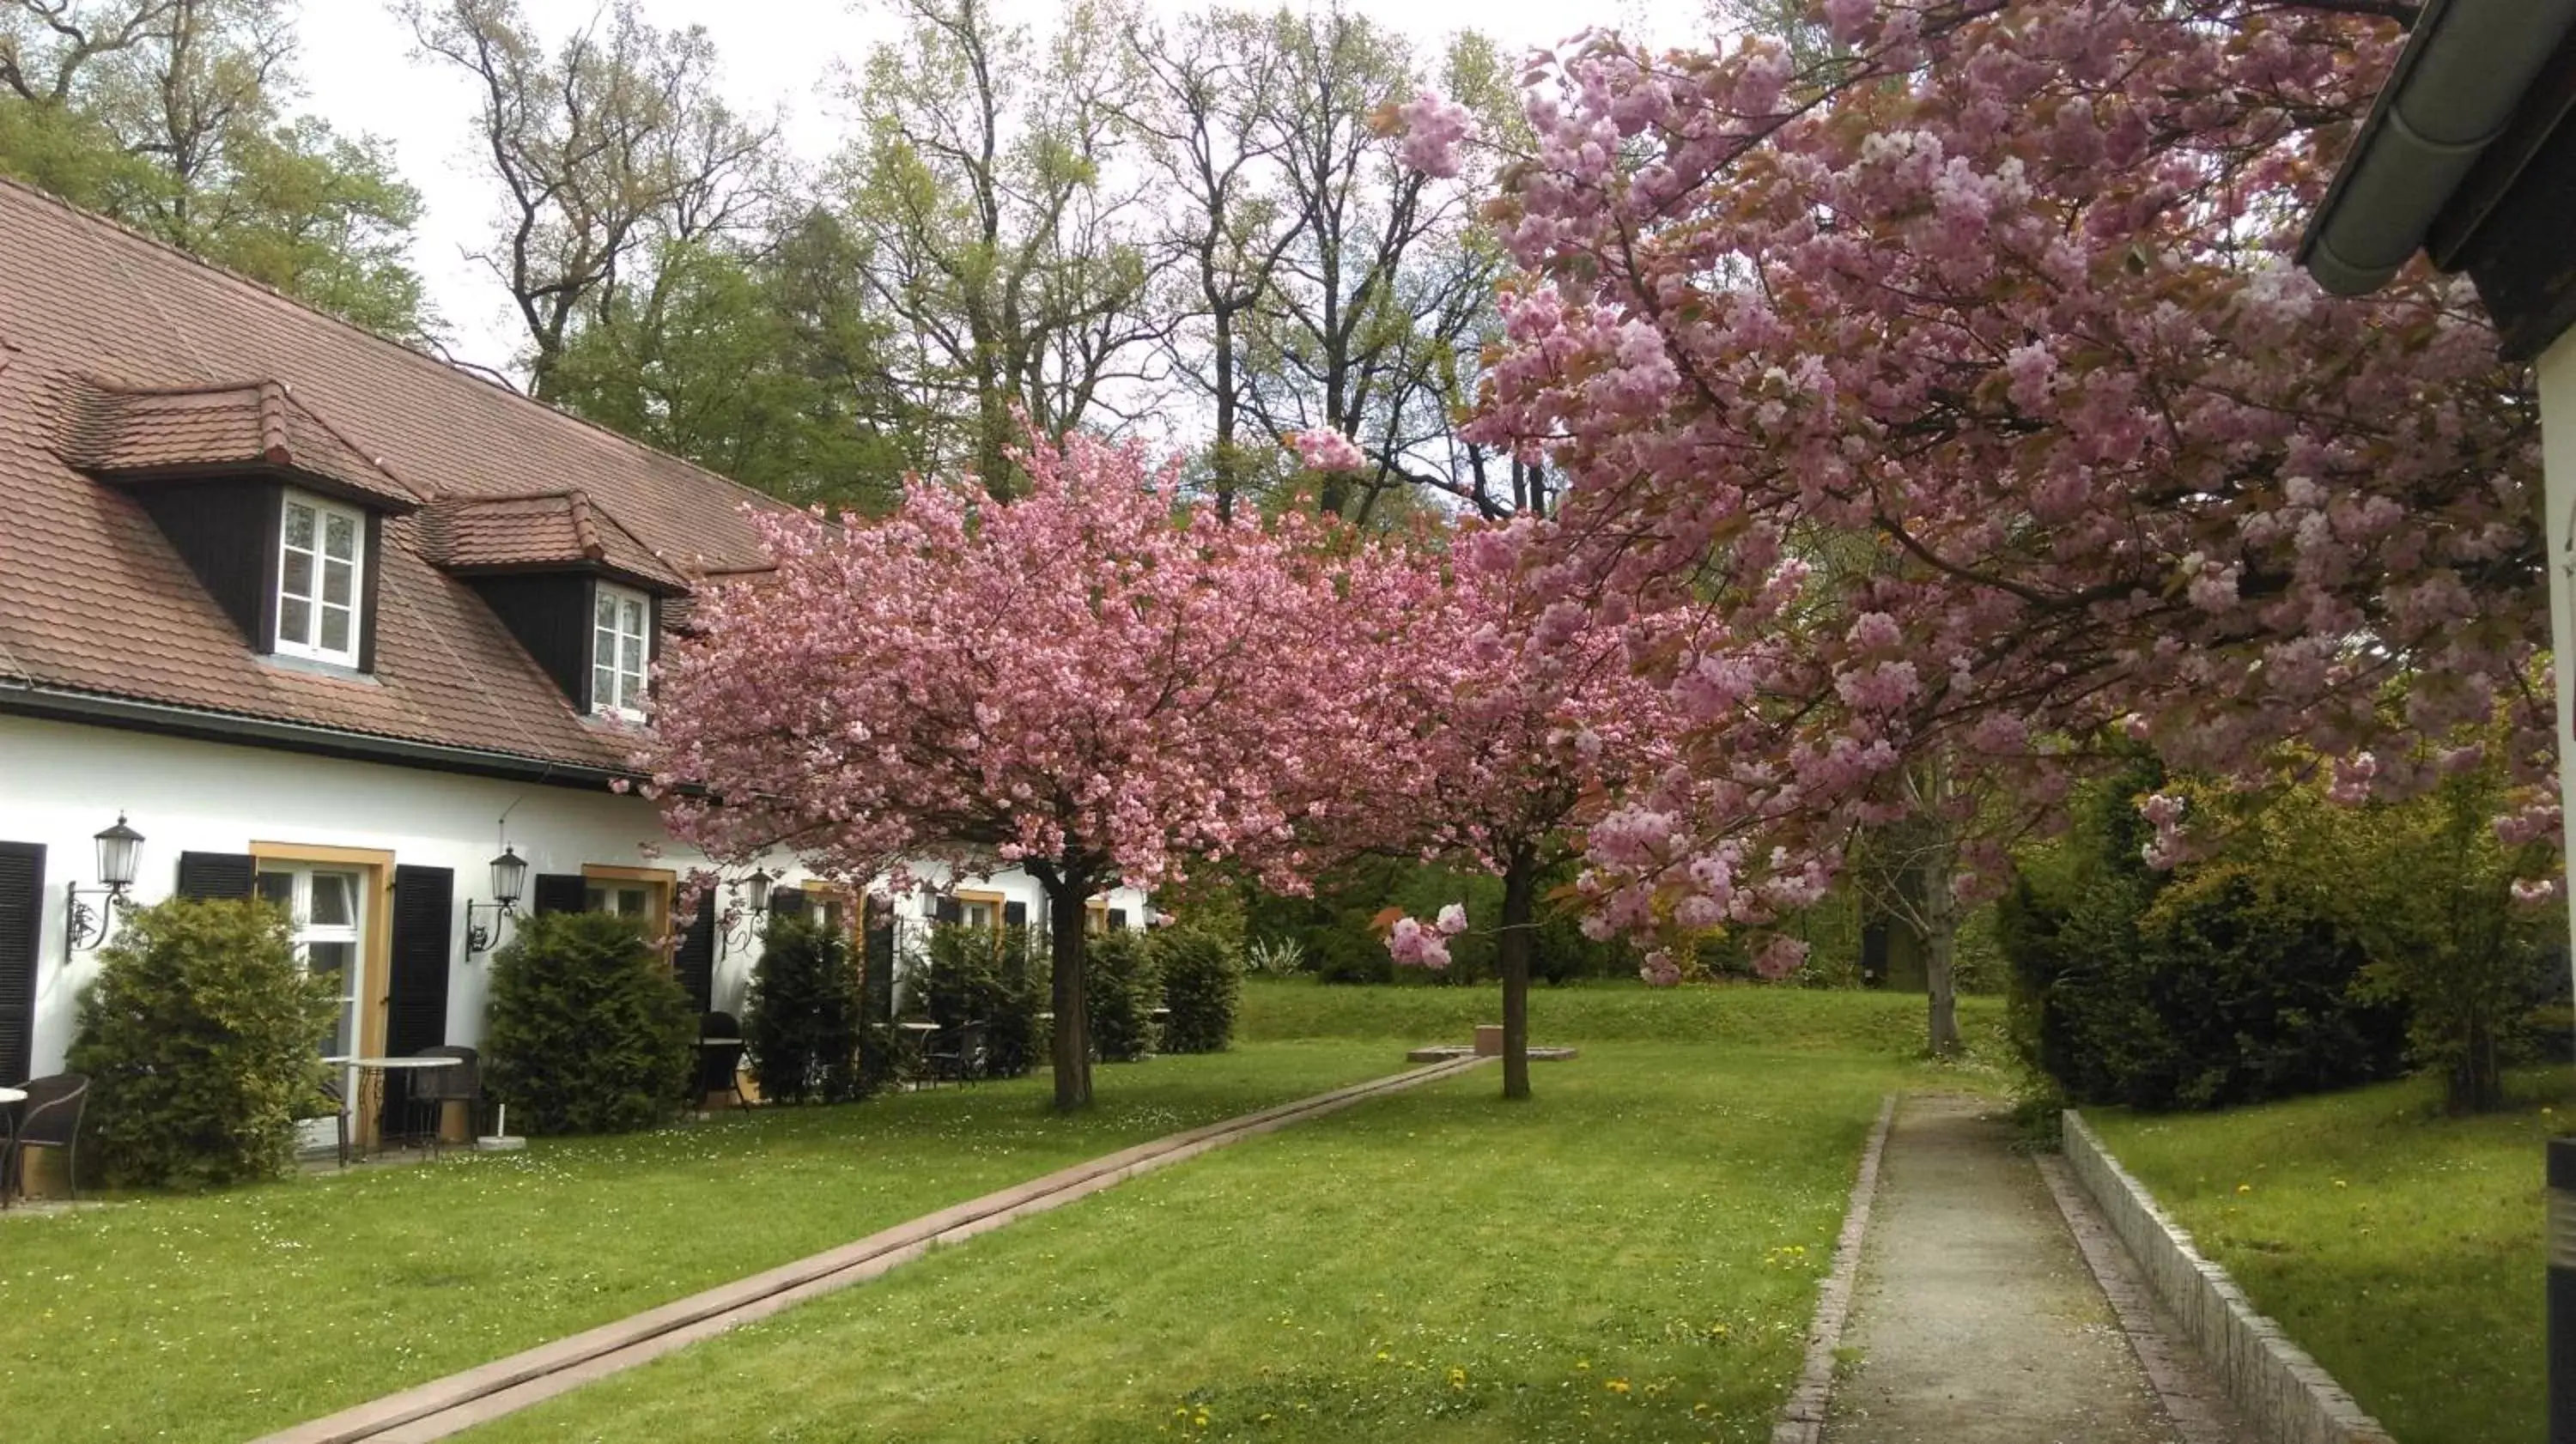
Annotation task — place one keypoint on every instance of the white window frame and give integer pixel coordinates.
(312, 650)
(625, 704)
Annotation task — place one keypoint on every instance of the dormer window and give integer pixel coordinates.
(320, 564)
(621, 638)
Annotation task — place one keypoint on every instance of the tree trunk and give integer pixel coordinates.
(2475, 1083)
(1520, 894)
(1940, 940)
(1222, 460)
(1066, 896)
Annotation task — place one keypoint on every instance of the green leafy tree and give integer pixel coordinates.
(759, 365)
(590, 1030)
(201, 1038)
(170, 115)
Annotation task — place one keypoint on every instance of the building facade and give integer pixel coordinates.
(327, 621)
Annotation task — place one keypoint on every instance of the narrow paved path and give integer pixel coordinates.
(1976, 1321)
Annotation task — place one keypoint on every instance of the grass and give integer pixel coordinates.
(2402, 1248)
(1632, 1257)
(224, 1316)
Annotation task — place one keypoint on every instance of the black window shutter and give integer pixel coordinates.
(696, 959)
(876, 981)
(949, 910)
(1117, 919)
(788, 902)
(22, 910)
(424, 926)
(1015, 914)
(559, 892)
(216, 874)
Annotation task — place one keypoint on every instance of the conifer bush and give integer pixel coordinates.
(801, 1019)
(1122, 989)
(201, 1037)
(590, 1030)
(1202, 976)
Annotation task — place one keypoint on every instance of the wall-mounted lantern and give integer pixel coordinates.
(120, 858)
(755, 911)
(509, 881)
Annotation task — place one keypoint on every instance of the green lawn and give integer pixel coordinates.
(1631, 1257)
(219, 1317)
(2402, 1248)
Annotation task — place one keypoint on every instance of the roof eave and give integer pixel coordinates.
(2453, 92)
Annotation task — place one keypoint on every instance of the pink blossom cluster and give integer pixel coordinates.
(1434, 132)
(1409, 942)
(1323, 449)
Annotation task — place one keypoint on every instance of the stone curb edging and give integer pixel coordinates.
(1802, 1417)
(2286, 1396)
(445, 1406)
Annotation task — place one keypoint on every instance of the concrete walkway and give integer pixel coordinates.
(1976, 1320)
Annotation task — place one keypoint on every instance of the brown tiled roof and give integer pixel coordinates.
(93, 598)
(121, 433)
(531, 533)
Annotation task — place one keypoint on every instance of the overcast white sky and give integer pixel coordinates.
(359, 75)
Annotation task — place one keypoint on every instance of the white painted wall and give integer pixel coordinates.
(2558, 451)
(61, 782)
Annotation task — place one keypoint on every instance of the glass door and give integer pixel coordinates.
(326, 909)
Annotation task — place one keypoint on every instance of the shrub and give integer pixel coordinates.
(984, 975)
(201, 1037)
(1120, 994)
(1202, 980)
(2230, 982)
(590, 1030)
(801, 1032)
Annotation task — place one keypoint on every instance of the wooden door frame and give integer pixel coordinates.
(375, 948)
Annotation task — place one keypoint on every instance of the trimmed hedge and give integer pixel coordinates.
(590, 1029)
(202, 1040)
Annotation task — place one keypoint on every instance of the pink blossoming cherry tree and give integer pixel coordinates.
(1991, 305)
(1091, 681)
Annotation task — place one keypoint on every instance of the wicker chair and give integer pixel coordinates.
(432, 1089)
(719, 1064)
(50, 1118)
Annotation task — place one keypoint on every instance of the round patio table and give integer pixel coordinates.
(369, 1100)
(10, 1098)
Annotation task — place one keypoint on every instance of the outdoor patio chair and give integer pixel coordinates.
(50, 1118)
(331, 1101)
(432, 1089)
(957, 1053)
(719, 1061)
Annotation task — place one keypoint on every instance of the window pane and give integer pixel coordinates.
(336, 579)
(634, 618)
(630, 658)
(277, 887)
(299, 574)
(334, 899)
(603, 688)
(295, 622)
(595, 900)
(606, 617)
(339, 536)
(299, 526)
(630, 902)
(335, 629)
